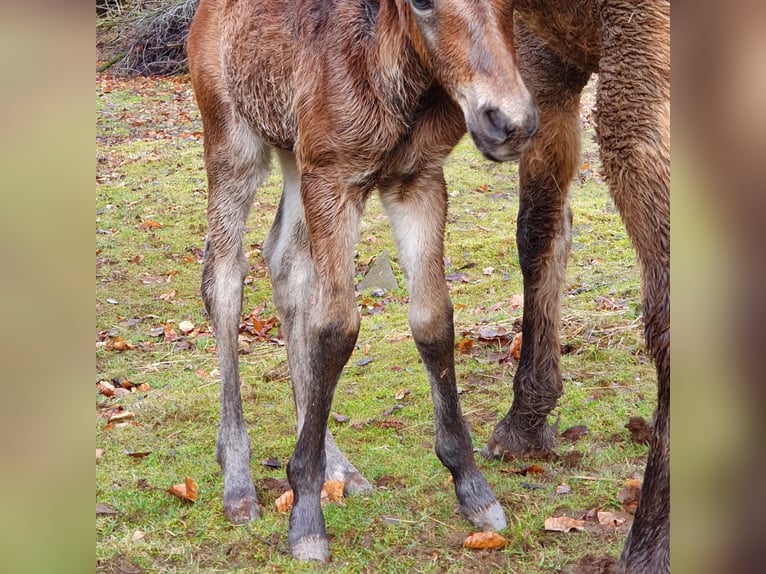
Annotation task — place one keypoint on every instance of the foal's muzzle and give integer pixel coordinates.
(500, 137)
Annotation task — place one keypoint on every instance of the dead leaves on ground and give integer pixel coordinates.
(186, 491)
(487, 540)
(332, 491)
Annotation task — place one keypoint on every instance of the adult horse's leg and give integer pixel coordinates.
(236, 162)
(417, 210)
(633, 126)
(544, 239)
(311, 267)
(286, 250)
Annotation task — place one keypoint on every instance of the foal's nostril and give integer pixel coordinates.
(497, 123)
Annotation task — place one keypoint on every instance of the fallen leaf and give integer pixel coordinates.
(105, 388)
(332, 491)
(143, 387)
(138, 454)
(271, 462)
(186, 491)
(515, 350)
(103, 509)
(630, 495)
(168, 296)
(486, 540)
(365, 361)
(121, 416)
(488, 270)
(285, 502)
(609, 519)
(137, 535)
(574, 433)
(186, 327)
(99, 453)
(150, 224)
(401, 393)
(138, 259)
(117, 343)
(563, 524)
(563, 489)
(531, 469)
(465, 345)
(339, 418)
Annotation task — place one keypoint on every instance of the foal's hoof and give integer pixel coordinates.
(490, 518)
(356, 484)
(242, 510)
(508, 443)
(311, 548)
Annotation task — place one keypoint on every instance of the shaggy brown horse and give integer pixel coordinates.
(560, 44)
(351, 95)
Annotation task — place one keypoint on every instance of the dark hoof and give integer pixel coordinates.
(242, 510)
(507, 443)
(311, 548)
(356, 484)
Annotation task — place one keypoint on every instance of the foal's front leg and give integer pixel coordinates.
(314, 292)
(417, 211)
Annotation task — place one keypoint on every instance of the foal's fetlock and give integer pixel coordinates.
(241, 505)
(509, 441)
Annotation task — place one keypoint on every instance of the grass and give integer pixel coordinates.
(149, 169)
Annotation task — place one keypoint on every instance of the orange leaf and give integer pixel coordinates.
(105, 388)
(285, 502)
(150, 224)
(465, 345)
(332, 491)
(486, 540)
(186, 491)
(515, 350)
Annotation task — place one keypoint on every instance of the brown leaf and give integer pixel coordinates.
(138, 454)
(186, 491)
(332, 491)
(117, 343)
(465, 345)
(339, 418)
(630, 495)
(486, 540)
(515, 350)
(609, 519)
(401, 393)
(563, 524)
(103, 509)
(517, 301)
(99, 453)
(574, 433)
(150, 224)
(168, 296)
(285, 502)
(531, 469)
(138, 259)
(105, 388)
(170, 334)
(121, 416)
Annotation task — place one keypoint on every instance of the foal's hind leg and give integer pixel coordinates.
(633, 125)
(314, 292)
(417, 211)
(286, 251)
(236, 162)
(544, 240)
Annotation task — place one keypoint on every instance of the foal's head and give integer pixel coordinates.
(468, 46)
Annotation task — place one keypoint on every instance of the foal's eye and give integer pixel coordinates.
(422, 5)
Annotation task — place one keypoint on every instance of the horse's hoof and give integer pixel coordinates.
(489, 518)
(311, 548)
(356, 484)
(242, 510)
